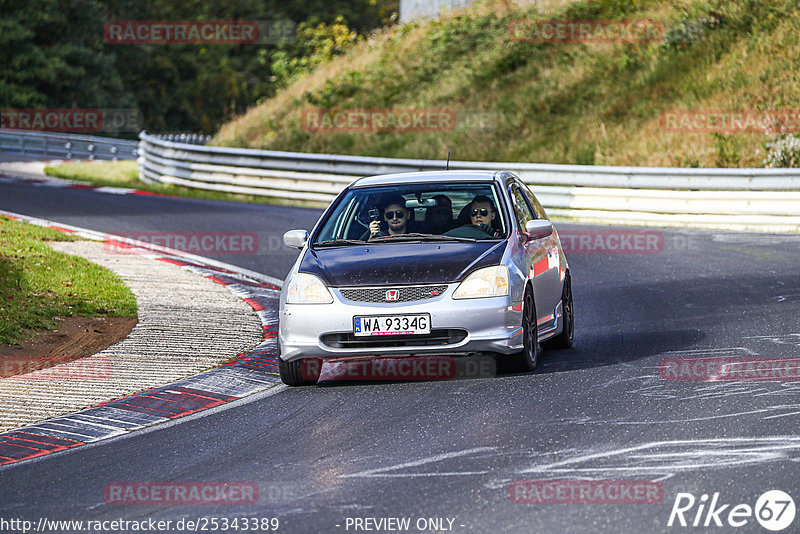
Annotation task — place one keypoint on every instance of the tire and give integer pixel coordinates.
(565, 338)
(529, 356)
(295, 373)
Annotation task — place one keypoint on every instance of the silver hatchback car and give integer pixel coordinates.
(445, 263)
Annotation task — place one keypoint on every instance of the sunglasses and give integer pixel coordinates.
(482, 211)
(399, 214)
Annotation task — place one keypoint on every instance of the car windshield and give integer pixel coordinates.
(440, 212)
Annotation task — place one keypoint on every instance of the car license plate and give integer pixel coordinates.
(387, 325)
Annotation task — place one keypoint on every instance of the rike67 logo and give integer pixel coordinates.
(774, 510)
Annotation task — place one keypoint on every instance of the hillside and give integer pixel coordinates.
(555, 102)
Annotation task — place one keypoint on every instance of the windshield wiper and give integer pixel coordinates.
(425, 237)
(339, 242)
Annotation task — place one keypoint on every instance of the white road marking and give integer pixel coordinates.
(382, 471)
(686, 455)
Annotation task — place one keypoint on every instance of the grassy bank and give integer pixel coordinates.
(555, 102)
(125, 174)
(38, 284)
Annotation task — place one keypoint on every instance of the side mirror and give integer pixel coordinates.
(295, 238)
(538, 228)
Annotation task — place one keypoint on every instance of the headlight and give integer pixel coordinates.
(307, 289)
(486, 282)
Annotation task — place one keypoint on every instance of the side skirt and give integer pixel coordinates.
(551, 325)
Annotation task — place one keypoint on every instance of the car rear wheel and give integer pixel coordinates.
(298, 372)
(529, 356)
(565, 338)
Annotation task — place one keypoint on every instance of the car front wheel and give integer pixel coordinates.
(299, 372)
(528, 357)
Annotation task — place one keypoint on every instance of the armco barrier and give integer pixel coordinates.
(742, 199)
(53, 145)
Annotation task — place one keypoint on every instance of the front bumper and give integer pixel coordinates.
(458, 327)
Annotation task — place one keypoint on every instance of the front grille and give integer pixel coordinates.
(406, 293)
(441, 337)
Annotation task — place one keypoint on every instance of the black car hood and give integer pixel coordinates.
(400, 263)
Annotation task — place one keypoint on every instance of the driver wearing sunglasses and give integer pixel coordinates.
(395, 215)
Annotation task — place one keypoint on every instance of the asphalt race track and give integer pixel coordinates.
(451, 451)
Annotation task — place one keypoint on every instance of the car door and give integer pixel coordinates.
(554, 274)
(540, 257)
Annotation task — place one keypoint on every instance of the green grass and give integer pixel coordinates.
(38, 284)
(106, 173)
(125, 174)
(586, 103)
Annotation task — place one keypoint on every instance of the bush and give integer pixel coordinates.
(783, 152)
(690, 31)
(728, 148)
(320, 43)
(334, 92)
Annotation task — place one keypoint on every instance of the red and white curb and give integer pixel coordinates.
(10, 174)
(246, 374)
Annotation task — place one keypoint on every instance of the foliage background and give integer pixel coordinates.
(54, 56)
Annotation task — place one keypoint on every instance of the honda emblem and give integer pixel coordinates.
(393, 294)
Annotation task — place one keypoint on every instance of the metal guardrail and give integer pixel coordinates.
(762, 199)
(191, 139)
(54, 145)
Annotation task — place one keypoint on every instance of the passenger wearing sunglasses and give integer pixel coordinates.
(396, 217)
(481, 217)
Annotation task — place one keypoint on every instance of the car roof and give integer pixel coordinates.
(427, 177)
